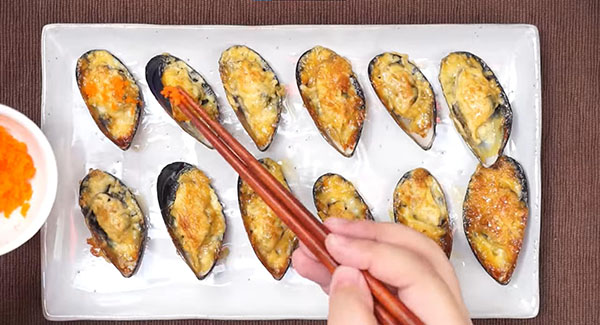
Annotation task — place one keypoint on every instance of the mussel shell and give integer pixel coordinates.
(345, 193)
(154, 73)
(98, 182)
(502, 111)
(416, 185)
(360, 111)
(267, 224)
(495, 213)
(425, 93)
(167, 185)
(104, 121)
(237, 98)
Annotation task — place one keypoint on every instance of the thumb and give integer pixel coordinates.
(350, 301)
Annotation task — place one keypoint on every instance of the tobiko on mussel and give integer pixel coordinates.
(253, 91)
(419, 203)
(193, 215)
(495, 214)
(406, 94)
(165, 70)
(333, 97)
(111, 95)
(478, 105)
(115, 220)
(272, 241)
(336, 197)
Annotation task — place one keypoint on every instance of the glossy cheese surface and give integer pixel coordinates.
(404, 91)
(495, 216)
(272, 241)
(111, 95)
(336, 197)
(419, 203)
(115, 220)
(198, 222)
(177, 73)
(332, 96)
(253, 91)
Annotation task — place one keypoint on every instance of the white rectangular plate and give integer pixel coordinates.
(77, 285)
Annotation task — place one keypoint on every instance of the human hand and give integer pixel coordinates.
(397, 255)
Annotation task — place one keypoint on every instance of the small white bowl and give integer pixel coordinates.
(16, 230)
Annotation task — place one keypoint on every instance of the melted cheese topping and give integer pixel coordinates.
(271, 239)
(496, 217)
(178, 74)
(419, 203)
(199, 223)
(404, 91)
(473, 95)
(110, 94)
(331, 97)
(335, 197)
(252, 91)
(118, 215)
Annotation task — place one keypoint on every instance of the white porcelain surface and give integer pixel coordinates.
(17, 229)
(77, 285)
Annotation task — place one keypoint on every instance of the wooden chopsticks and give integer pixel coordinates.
(388, 308)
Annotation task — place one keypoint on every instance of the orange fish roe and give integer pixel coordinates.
(16, 170)
(172, 93)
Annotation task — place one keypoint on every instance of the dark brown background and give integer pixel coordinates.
(569, 31)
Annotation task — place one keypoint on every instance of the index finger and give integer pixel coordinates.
(400, 235)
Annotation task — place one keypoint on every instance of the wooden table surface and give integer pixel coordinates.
(570, 35)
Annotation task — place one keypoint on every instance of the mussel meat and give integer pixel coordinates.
(495, 214)
(193, 215)
(406, 94)
(165, 70)
(110, 94)
(478, 105)
(336, 197)
(333, 97)
(273, 242)
(419, 203)
(115, 220)
(253, 91)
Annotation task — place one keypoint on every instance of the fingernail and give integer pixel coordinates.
(336, 222)
(336, 240)
(345, 276)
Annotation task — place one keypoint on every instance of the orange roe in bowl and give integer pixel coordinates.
(16, 170)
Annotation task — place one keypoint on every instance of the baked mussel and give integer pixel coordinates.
(193, 215)
(495, 213)
(406, 94)
(115, 220)
(335, 197)
(165, 70)
(478, 105)
(253, 91)
(111, 95)
(273, 242)
(333, 97)
(420, 204)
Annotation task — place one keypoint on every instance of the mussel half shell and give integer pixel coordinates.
(336, 197)
(111, 95)
(333, 96)
(193, 215)
(166, 70)
(273, 242)
(478, 105)
(253, 91)
(406, 94)
(495, 213)
(115, 220)
(419, 203)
